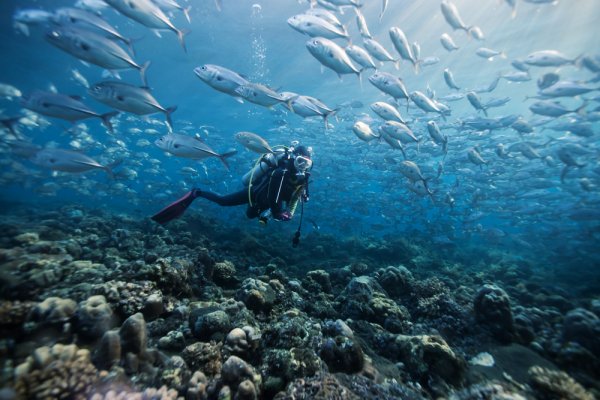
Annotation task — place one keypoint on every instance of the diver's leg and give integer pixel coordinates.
(233, 199)
(175, 209)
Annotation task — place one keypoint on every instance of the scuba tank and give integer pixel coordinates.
(264, 164)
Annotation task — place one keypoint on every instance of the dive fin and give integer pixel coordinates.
(175, 209)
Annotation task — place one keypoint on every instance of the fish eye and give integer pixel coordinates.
(52, 160)
(120, 98)
(203, 68)
(176, 146)
(85, 46)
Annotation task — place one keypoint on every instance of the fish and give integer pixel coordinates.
(259, 94)
(129, 98)
(253, 142)
(411, 171)
(447, 42)
(86, 19)
(360, 56)
(384, 5)
(436, 135)
(377, 50)
(425, 103)
(307, 106)
(476, 33)
(520, 65)
(387, 111)
(65, 107)
(489, 53)
(452, 16)
(522, 126)
(94, 48)
(190, 147)
(475, 157)
(421, 189)
(402, 46)
(517, 76)
(364, 132)
(427, 61)
(331, 55)
(476, 102)
(393, 142)
(547, 80)
(362, 24)
(22, 19)
(390, 84)
(314, 26)
(9, 91)
(148, 14)
(499, 102)
(549, 58)
(567, 157)
(567, 89)
(449, 78)
(325, 15)
(68, 161)
(554, 109)
(169, 5)
(400, 131)
(220, 78)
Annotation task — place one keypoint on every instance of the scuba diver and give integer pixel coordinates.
(273, 187)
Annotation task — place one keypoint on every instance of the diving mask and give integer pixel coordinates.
(302, 164)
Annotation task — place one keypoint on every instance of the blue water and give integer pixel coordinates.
(357, 189)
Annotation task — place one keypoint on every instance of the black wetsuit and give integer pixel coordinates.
(271, 191)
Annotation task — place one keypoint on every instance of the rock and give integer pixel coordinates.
(246, 391)
(94, 317)
(426, 357)
(396, 281)
(208, 324)
(582, 326)
(205, 357)
(236, 342)
(235, 370)
(258, 296)
(153, 306)
(63, 372)
(492, 309)
(337, 328)
(109, 351)
(134, 337)
(223, 273)
(27, 238)
(550, 384)
(321, 278)
(342, 354)
(53, 310)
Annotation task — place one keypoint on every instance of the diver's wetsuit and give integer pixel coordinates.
(269, 192)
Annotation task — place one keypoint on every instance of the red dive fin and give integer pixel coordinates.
(176, 209)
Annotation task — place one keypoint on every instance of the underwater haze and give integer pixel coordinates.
(449, 245)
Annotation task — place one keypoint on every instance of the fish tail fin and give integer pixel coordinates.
(186, 12)
(181, 34)
(10, 123)
(223, 157)
(397, 63)
(360, 78)
(109, 168)
(143, 70)
(168, 112)
(503, 54)
(106, 120)
(327, 115)
(219, 5)
(416, 66)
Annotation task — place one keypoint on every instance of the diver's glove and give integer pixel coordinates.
(283, 216)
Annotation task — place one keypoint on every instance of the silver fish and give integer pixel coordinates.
(387, 111)
(548, 58)
(399, 131)
(331, 55)
(259, 94)
(436, 135)
(489, 53)
(517, 76)
(253, 142)
(316, 27)
(425, 103)
(148, 14)
(377, 50)
(566, 89)
(362, 24)
(9, 91)
(129, 98)
(360, 56)
(65, 107)
(389, 84)
(364, 131)
(476, 102)
(307, 106)
(190, 147)
(94, 48)
(412, 171)
(447, 42)
(553, 109)
(475, 157)
(220, 78)
(67, 161)
(169, 5)
(85, 20)
(402, 46)
(452, 16)
(449, 78)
